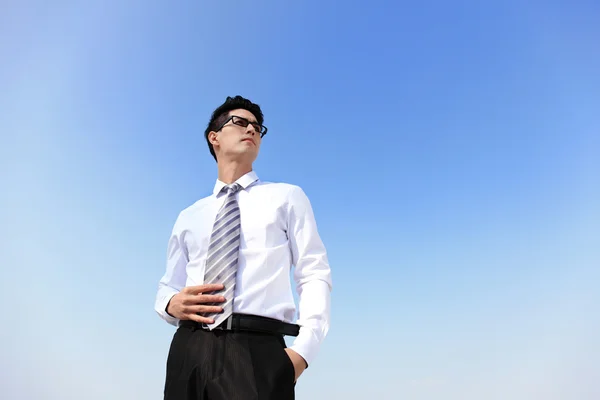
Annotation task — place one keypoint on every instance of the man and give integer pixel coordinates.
(227, 282)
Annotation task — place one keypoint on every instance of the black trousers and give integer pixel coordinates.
(225, 365)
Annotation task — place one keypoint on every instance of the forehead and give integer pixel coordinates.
(240, 112)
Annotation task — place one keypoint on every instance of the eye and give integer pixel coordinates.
(257, 127)
(240, 122)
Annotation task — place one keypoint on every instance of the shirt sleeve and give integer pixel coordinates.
(174, 279)
(312, 275)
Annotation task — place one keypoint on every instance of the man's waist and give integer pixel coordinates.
(249, 323)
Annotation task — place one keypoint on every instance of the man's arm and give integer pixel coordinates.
(173, 281)
(174, 301)
(312, 276)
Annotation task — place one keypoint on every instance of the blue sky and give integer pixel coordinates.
(451, 152)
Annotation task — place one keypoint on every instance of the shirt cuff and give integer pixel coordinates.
(161, 307)
(306, 344)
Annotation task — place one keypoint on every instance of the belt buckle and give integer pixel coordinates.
(229, 321)
(226, 325)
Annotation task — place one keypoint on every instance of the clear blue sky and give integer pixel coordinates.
(451, 151)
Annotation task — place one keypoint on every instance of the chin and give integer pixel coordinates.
(247, 156)
(250, 151)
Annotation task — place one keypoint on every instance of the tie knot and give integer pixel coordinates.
(232, 189)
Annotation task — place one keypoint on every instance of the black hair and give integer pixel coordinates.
(220, 115)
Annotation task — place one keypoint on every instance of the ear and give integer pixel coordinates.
(213, 138)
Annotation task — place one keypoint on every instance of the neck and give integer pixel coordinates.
(232, 171)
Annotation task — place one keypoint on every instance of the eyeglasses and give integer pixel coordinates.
(243, 122)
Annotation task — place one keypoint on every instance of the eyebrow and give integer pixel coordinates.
(247, 119)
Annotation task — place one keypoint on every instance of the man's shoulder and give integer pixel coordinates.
(293, 195)
(195, 207)
(285, 189)
(276, 185)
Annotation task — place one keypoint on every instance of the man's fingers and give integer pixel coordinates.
(200, 319)
(213, 287)
(192, 300)
(208, 298)
(206, 309)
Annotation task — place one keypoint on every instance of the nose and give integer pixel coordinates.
(250, 129)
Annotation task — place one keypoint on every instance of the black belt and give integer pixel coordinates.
(252, 323)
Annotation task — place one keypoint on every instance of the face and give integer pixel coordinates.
(235, 142)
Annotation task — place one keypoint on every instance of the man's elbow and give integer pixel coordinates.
(315, 278)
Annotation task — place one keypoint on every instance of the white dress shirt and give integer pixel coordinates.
(278, 230)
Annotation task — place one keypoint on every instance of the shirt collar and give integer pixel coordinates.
(244, 181)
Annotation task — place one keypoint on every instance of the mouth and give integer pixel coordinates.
(248, 140)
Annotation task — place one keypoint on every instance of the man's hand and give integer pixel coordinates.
(298, 361)
(190, 301)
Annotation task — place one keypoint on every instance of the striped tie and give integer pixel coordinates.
(222, 259)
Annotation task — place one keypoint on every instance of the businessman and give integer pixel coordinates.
(227, 283)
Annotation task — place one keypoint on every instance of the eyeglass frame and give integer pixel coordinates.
(262, 134)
